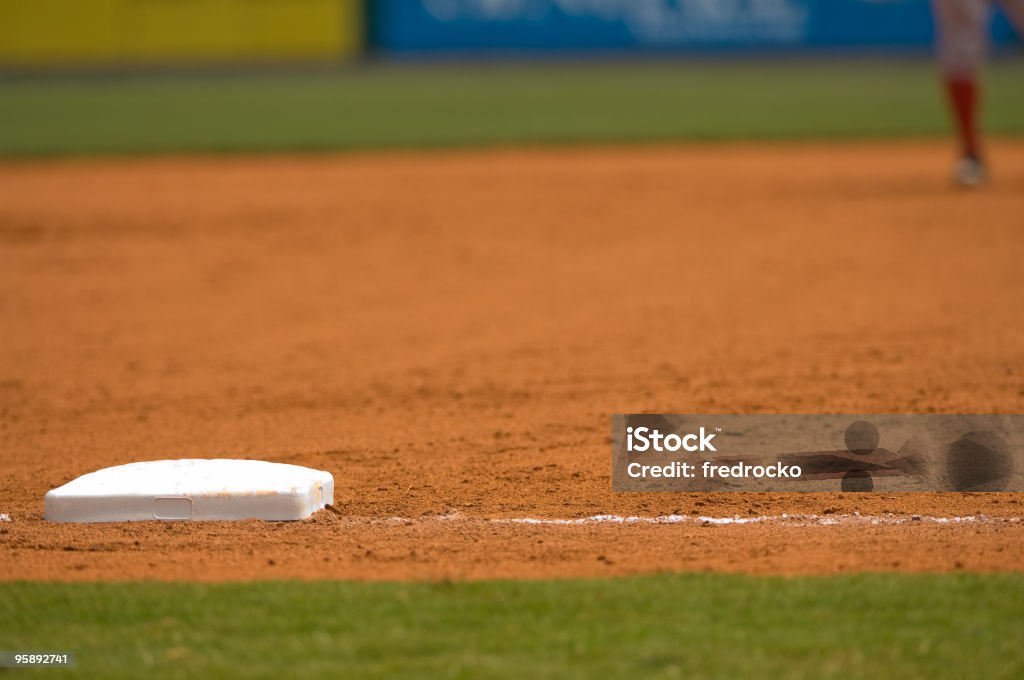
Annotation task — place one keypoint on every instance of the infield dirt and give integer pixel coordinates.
(448, 333)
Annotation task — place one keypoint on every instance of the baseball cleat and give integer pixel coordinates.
(970, 173)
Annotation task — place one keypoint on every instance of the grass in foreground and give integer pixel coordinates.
(686, 626)
(437, 106)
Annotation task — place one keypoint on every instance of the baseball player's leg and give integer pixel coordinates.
(962, 44)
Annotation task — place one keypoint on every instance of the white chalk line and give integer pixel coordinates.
(855, 519)
(702, 520)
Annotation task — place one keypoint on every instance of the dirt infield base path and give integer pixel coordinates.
(449, 333)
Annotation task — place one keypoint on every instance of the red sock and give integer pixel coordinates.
(963, 97)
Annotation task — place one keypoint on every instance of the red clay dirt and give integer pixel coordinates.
(451, 332)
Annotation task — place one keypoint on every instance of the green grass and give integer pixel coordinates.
(686, 626)
(439, 106)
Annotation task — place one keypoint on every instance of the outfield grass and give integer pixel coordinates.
(686, 626)
(438, 106)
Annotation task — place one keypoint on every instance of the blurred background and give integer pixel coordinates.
(111, 76)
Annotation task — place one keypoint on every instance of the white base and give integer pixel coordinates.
(192, 489)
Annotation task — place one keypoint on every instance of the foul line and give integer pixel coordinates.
(701, 520)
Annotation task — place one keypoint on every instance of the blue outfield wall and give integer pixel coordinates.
(425, 27)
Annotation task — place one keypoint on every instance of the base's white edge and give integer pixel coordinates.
(298, 505)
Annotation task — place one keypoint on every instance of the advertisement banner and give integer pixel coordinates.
(425, 26)
(126, 32)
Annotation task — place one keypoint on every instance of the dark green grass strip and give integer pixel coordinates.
(442, 106)
(685, 626)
